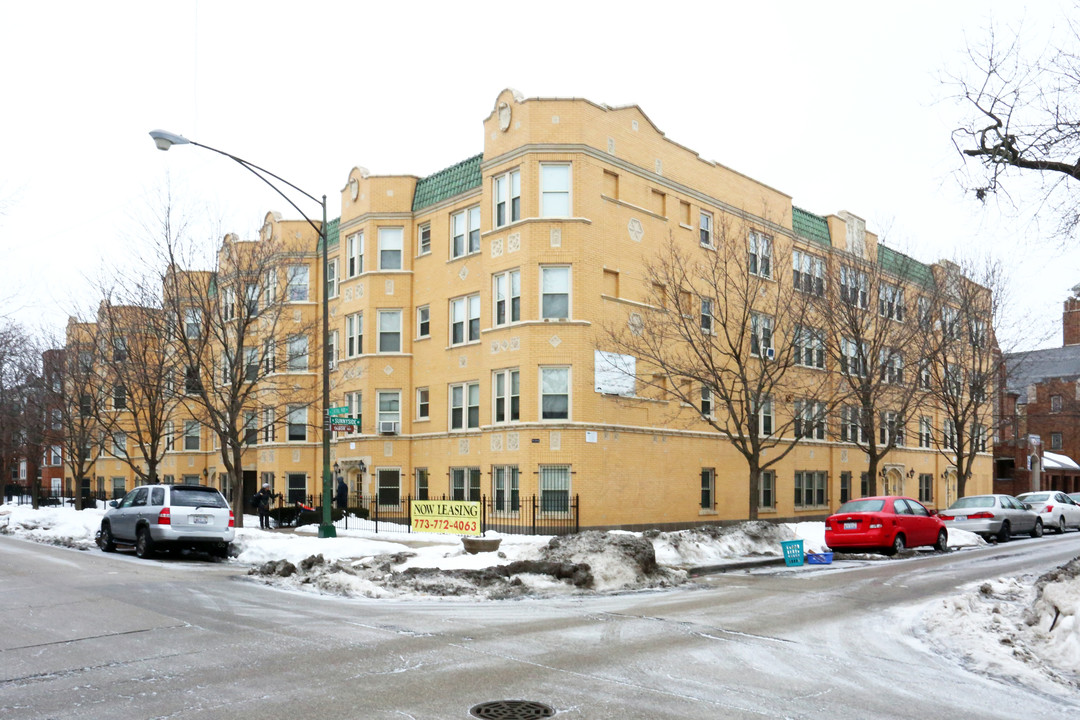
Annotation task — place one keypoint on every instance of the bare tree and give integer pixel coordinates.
(724, 338)
(967, 304)
(875, 339)
(80, 403)
(18, 370)
(1023, 117)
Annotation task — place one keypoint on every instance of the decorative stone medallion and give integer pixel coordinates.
(636, 229)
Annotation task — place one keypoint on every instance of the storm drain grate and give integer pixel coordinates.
(511, 710)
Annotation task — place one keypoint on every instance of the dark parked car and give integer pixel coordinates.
(153, 517)
(1000, 516)
(888, 523)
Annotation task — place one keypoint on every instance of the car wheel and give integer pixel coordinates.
(144, 546)
(897, 546)
(1004, 532)
(105, 539)
(1038, 530)
(221, 552)
(1061, 525)
(942, 544)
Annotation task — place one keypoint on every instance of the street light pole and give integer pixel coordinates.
(164, 140)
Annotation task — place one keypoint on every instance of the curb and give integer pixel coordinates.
(734, 565)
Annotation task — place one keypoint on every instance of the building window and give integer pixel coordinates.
(810, 490)
(926, 488)
(465, 232)
(296, 418)
(389, 331)
(465, 483)
(706, 402)
(354, 335)
(808, 273)
(507, 198)
(269, 426)
(251, 364)
(809, 420)
(269, 357)
(424, 239)
(925, 432)
(708, 488)
(864, 484)
(891, 301)
(170, 439)
(555, 292)
(119, 444)
(421, 490)
(890, 427)
(554, 393)
(891, 363)
(809, 348)
(504, 481)
(192, 323)
(389, 487)
(191, 435)
(705, 229)
(332, 349)
(355, 402)
(767, 490)
(464, 406)
(297, 348)
(507, 297)
(853, 286)
(251, 300)
(296, 289)
(119, 398)
(949, 321)
(760, 262)
(389, 405)
(390, 246)
(977, 332)
(423, 321)
(270, 288)
(297, 487)
(845, 487)
(948, 432)
(924, 374)
(762, 416)
(554, 488)
(554, 190)
(354, 250)
(852, 358)
(251, 428)
(706, 316)
(506, 393)
(761, 335)
(331, 278)
(422, 404)
(1055, 403)
(852, 428)
(465, 320)
(1055, 441)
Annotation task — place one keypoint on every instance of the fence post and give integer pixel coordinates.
(408, 502)
(533, 514)
(577, 513)
(483, 514)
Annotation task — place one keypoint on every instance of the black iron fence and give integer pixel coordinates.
(22, 495)
(529, 515)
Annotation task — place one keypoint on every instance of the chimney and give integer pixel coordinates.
(1070, 318)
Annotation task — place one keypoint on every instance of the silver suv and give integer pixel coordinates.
(153, 517)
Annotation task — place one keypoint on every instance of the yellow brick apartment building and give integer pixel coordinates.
(467, 309)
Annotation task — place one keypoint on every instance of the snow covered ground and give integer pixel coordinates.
(1019, 627)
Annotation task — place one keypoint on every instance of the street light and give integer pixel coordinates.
(165, 140)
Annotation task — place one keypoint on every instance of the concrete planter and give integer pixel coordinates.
(475, 545)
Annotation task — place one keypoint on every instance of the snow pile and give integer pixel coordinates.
(1015, 629)
(712, 544)
(51, 525)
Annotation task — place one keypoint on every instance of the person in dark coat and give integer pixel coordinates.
(261, 501)
(342, 494)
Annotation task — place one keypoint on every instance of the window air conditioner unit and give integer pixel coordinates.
(388, 427)
(770, 354)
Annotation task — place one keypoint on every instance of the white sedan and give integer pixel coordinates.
(1058, 510)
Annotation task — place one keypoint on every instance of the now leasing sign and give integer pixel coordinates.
(456, 517)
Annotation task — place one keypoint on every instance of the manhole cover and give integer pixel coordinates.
(511, 710)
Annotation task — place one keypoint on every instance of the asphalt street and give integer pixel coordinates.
(89, 635)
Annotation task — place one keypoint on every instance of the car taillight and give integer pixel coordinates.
(1048, 508)
(164, 517)
(232, 519)
(875, 526)
(981, 516)
(945, 517)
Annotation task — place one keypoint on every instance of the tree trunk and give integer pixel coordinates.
(755, 491)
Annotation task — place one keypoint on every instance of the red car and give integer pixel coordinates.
(887, 522)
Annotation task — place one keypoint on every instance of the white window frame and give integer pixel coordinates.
(926, 432)
(391, 240)
(552, 196)
(853, 286)
(269, 357)
(387, 415)
(545, 292)
(298, 283)
(170, 436)
(355, 402)
(708, 488)
(385, 335)
(118, 443)
(293, 358)
(506, 488)
(809, 420)
(761, 334)
(192, 436)
(192, 322)
(269, 429)
(465, 224)
(506, 297)
(423, 403)
(423, 239)
(763, 413)
(354, 335)
(296, 416)
(555, 479)
(331, 278)
(708, 322)
(465, 314)
(891, 301)
(852, 360)
(464, 399)
(423, 322)
(889, 423)
(706, 402)
(852, 427)
(506, 188)
(767, 490)
(948, 434)
(554, 370)
(809, 342)
(705, 229)
(228, 303)
(270, 288)
(808, 273)
(891, 364)
(759, 260)
(465, 483)
(505, 398)
(812, 484)
(354, 253)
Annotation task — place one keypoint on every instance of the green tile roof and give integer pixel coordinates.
(333, 232)
(447, 183)
(810, 226)
(904, 266)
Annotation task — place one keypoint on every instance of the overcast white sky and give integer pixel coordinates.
(839, 105)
